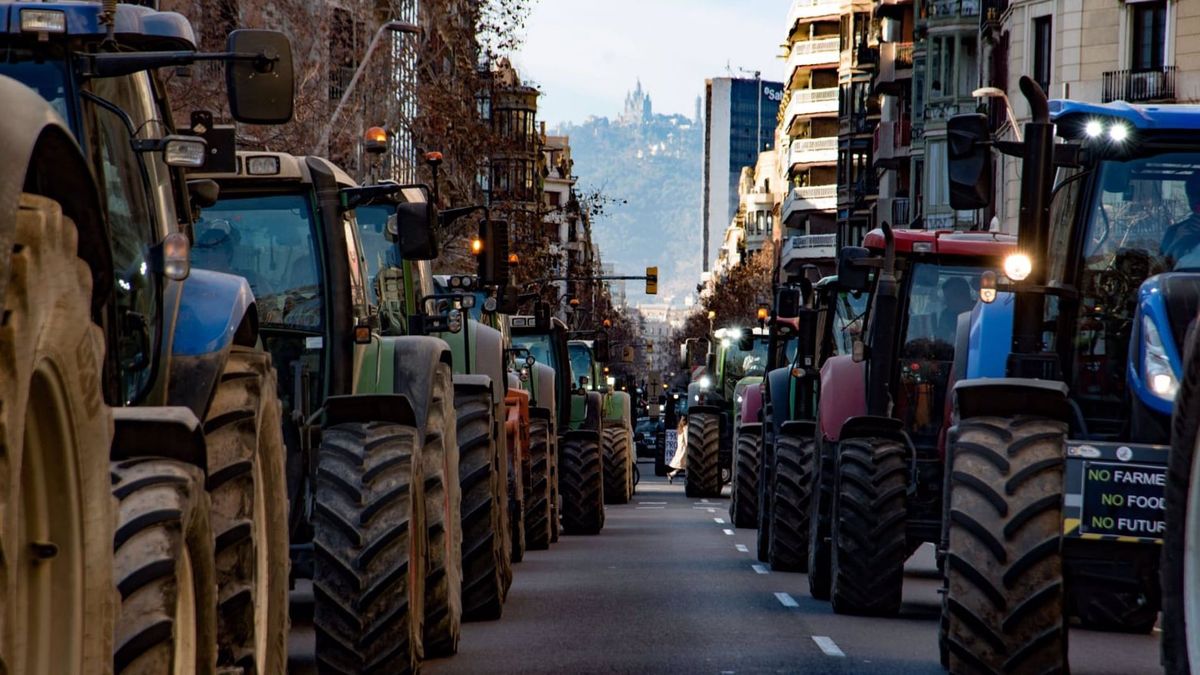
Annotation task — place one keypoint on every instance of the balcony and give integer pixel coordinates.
(952, 9)
(895, 63)
(814, 198)
(891, 142)
(1139, 86)
(813, 52)
(804, 249)
(813, 151)
(808, 9)
(811, 102)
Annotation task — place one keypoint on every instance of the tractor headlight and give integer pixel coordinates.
(1159, 374)
(705, 382)
(739, 399)
(1018, 266)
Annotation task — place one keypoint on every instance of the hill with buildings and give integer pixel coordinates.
(650, 165)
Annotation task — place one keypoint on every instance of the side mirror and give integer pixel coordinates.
(851, 275)
(806, 338)
(204, 192)
(600, 348)
(493, 264)
(787, 303)
(969, 161)
(746, 341)
(261, 89)
(415, 231)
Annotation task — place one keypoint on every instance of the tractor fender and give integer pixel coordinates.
(779, 393)
(474, 383)
(873, 426)
(393, 408)
(616, 408)
(799, 428)
(488, 356)
(159, 431)
(752, 399)
(843, 394)
(594, 406)
(214, 311)
(414, 360)
(1011, 396)
(541, 381)
(42, 157)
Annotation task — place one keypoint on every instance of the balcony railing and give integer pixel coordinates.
(812, 198)
(812, 101)
(800, 249)
(803, 9)
(939, 9)
(813, 52)
(813, 150)
(1139, 85)
(904, 55)
(901, 213)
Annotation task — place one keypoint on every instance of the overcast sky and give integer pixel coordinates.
(586, 54)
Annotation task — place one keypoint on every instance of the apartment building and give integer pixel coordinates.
(891, 147)
(858, 115)
(1139, 51)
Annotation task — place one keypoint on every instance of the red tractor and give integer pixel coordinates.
(882, 415)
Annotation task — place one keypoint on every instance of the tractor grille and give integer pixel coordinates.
(1181, 293)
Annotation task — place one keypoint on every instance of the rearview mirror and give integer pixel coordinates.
(851, 275)
(414, 231)
(969, 161)
(262, 89)
(787, 303)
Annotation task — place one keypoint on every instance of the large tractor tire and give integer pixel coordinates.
(511, 536)
(555, 493)
(869, 514)
(1181, 541)
(481, 476)
(582, 485)
(443, 518)
(703, 455)
(618, 470)
(537, 511)
(247, 485)
(820, 523)
(163, 570)
(743, 503)
(1004, 607)
(790, 507)
(766, 478)
(55, 432)
(369, 541)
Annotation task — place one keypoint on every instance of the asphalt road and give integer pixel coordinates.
(670, 587)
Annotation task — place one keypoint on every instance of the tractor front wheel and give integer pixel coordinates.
(537, 511)
(443, 516)
(582, 484)
(481, 476)
(791, 493)
(618, 473)
(703, 455)
(743, 502)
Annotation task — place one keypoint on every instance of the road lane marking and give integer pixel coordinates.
(742, 548)
(719, 521)
(703, 501)
(712, 510)
(650, 507)
(728, 532)
(788, 601)
(760, 569)
(653, 503)
(826, 644)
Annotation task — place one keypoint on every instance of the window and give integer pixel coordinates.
(1043, 36)
(1149, 35)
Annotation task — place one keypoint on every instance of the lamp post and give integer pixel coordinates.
(390, 26)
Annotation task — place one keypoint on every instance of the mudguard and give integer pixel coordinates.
(394, 408)
(479, 349)
(469, 383)
(159, 431)
(542, 387)
(752, 399)
(843, 394)
(41, 156)
(1011, 396)
(799, 429)
(616, 408)
(401, 365)
(215, 311)
(1152, 305)
(779, 393)
(872, 426)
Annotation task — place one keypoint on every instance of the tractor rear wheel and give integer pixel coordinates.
(582, 485)
(820, 525)
(246, 483)
(443, 517)
(55, 432)
(537, 509)
(790, 508)
(163, 570)
(743, 502)
(1181, 540)
(618, 473)
(369, 549)
(869, 514)
(703, 455)
(481, 476)
(1004, 605)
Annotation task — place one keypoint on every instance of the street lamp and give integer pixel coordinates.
(390, 26)
(996, 92)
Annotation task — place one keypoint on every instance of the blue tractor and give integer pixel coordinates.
(123, 374)
(1058, 450)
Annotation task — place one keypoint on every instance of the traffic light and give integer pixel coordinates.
(651, 281)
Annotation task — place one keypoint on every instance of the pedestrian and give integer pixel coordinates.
(679, 462)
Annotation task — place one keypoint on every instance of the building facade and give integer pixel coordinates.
(739, 122)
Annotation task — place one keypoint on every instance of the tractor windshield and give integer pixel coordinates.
(581, 363)
(268, 239)
(937, 296)
(46, 76)
(377, 234)
(539, 347)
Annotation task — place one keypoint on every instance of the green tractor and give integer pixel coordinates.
(615, 417)
(130, 384)
(370, 417)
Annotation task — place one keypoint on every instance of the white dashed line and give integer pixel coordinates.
(728, 532)
(787, 601)
(719, 521)
(650, 507)
(653, 503)
(760, 569)
(703, 501)
(712, 510)
(826, 644)
(742, 548)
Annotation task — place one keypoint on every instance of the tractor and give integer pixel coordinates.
(581, 475)
(1058, 453)
(616, 418)
(370, 419)
(881, 411)
(130, 384)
